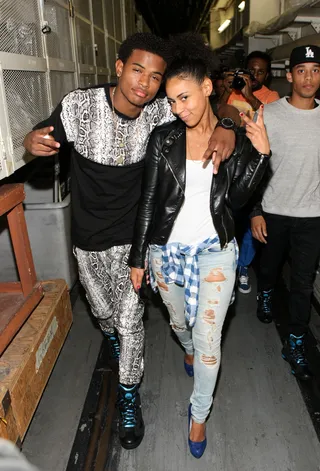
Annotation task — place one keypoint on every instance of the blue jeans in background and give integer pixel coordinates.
(247, 248)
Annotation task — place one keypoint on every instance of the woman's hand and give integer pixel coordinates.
(136, 277)
(257, 132)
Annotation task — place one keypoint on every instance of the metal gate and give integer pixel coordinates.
(47, 48)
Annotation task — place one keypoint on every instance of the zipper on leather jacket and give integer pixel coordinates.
(173, 173)
(256, 169)
(212, 211)
(225, 231)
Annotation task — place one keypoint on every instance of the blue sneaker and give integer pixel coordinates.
(131, 426)
(264, 307)
(196, 448)
(243, 280)
(294, 353)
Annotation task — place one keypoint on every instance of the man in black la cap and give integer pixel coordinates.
(288, 217)
(304, 54)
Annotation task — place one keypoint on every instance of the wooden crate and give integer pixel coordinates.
(26, 364)
(17, 299)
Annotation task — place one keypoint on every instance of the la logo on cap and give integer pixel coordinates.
(309, 52)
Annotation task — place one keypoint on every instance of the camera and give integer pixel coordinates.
(238, 82)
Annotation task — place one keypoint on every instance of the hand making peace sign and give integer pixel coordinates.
(256, 132)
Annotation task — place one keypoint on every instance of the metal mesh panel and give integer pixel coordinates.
(20, 31)
(59, 40)
(82, 7)
(61, 84)
(109, 17)
(26, 95)
(101, 58)
(102, 79)
(84, 42)
(87, 80)
(129, 18)
(117, 19)
(112, 55)
(97, 13)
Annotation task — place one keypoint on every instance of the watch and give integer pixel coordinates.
(227, 123)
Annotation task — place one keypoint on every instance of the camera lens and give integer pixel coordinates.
(238, 83)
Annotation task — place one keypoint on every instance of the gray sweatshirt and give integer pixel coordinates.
(294, 134)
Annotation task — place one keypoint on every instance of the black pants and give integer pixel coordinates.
(301, 238)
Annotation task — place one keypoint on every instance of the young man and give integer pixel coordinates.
(108, 128)
(289, 216)
(248, 101)
(255, 92)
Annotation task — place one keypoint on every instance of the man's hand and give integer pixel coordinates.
(247, 89)
(259, 228)
(40, 143)
(221, 145)
(136, 277)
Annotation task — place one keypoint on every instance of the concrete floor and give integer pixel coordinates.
(259, 421)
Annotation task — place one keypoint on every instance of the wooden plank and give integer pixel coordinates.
(8, 426)
(22, 249)
(11, 287)
(15, 309)
(10, 196)
(27, 363)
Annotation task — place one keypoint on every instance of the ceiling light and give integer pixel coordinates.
(242, 6)
(224, 26)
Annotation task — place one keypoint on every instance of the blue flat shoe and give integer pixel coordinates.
(196, 448)
(189, 369)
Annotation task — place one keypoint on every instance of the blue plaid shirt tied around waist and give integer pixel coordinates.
(186, 274)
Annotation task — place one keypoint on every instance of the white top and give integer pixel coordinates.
(194, 222)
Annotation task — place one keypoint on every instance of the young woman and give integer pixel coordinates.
(185, 215)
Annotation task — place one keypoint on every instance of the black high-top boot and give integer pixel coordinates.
(294, 353)
(264, 308)
(131, 426)
(114, 351)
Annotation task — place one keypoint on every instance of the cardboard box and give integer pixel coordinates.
(26, 364)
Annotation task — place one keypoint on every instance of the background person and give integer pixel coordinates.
(248, 101)
(288, 218)
(255, 92)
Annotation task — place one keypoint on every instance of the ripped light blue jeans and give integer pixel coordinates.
(217, 278)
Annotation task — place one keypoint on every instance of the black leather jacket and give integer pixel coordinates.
(164, 185)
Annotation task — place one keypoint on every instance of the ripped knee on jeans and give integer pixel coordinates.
(208, 360)
(178, 328)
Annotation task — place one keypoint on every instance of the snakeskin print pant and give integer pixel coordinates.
(105, 277)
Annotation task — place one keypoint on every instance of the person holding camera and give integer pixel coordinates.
(246, 89)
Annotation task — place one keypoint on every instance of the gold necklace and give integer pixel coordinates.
(189, 152)
(120, 148)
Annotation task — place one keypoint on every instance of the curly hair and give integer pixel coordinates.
(145, 42)
(191, 57)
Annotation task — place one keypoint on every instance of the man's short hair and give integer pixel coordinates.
(260, 55)
(145, 42)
